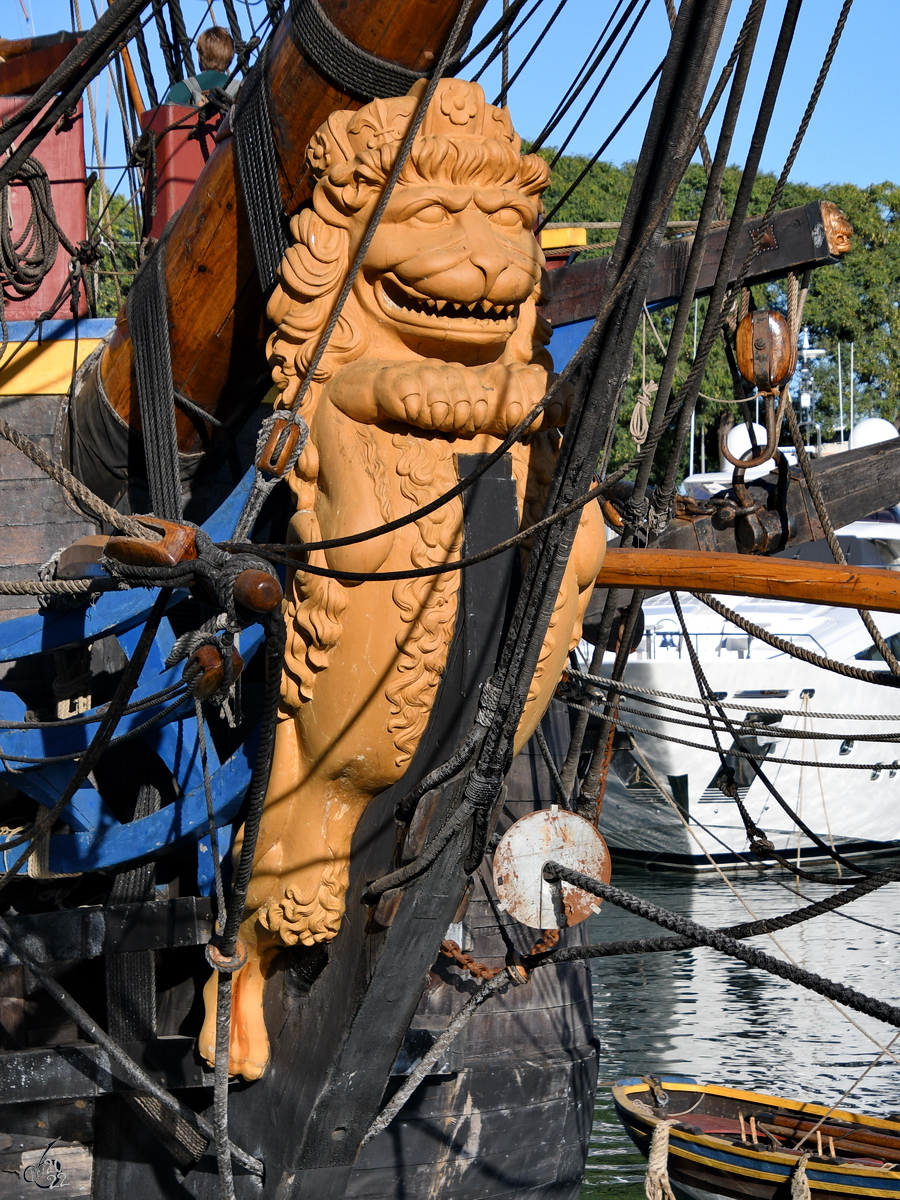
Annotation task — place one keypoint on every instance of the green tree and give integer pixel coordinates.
(855, 301)
(117, 221)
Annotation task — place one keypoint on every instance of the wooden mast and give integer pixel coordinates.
(216, 307)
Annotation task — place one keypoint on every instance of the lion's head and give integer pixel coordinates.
(453, 269)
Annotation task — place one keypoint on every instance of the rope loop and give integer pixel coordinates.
(227, 964)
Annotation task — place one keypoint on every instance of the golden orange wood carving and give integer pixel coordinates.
(211, 272)
(746, 575)
(439, 351)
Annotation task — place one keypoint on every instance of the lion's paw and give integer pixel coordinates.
(248, 1046)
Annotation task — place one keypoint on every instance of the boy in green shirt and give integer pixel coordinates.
(215, 50)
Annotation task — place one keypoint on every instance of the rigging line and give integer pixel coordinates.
(739, 63)
(684, 399)
(840, 1100)
(499, 27)
(638, 691)
(703, 685)
(755, 729)
(673, 120)
(75, 755)
(93, 718)
(504, 39)
(880, 678)
(593, 161)
(580, 79)
(459, 564)
(596, 92)
(535, 45)
(551, 766)
(765, 872)
(99, 741)
(739, 58)
(831, 537)
(136, 1075)
(670, 800)
(399, 163)
(81, 61)
(423, 1067)
(705, 936)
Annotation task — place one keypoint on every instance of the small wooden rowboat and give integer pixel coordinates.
(735, 1143)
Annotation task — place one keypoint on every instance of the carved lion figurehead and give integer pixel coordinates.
(453, 269)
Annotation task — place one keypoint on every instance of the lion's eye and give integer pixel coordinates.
(433, 214)
(507, 218)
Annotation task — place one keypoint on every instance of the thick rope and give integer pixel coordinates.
(75, 488)
(799, 1181)
(834, 545)
(800, 652)
(636, 692)
(354, 70)
(147, 308)
(441, 1043)
(656, 1181)
(257, 160)
(701, 935)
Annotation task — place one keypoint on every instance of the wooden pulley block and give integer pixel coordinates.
(258, 591)
(204, 671)
(177, 543)
(766, 353)
(272, 459)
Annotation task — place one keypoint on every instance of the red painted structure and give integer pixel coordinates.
(182, 148)
(61, 154)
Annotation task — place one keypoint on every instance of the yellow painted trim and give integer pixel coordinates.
(42, 370)
(798, 1106)
(555, 239)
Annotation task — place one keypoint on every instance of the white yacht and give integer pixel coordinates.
(663, 805)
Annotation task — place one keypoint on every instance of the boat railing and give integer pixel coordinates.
(664, 643)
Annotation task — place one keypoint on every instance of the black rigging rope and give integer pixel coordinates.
(582, 75)
(701, 935)
(257, 161)
(147, 308)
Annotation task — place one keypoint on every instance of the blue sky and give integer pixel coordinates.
(853, 137)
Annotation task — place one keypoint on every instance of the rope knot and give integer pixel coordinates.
(640, 426)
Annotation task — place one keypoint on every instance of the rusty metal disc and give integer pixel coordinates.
(540, 837)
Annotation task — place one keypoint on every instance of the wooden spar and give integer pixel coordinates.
(26, 63)
(216, 307)
(134, 90)
(799, 239)
(746, 575)
(853, 484)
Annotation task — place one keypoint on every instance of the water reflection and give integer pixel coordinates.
(699, 1013)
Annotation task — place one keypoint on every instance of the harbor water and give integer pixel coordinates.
(699, 1013)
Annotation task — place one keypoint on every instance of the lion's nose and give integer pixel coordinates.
(484, 252)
